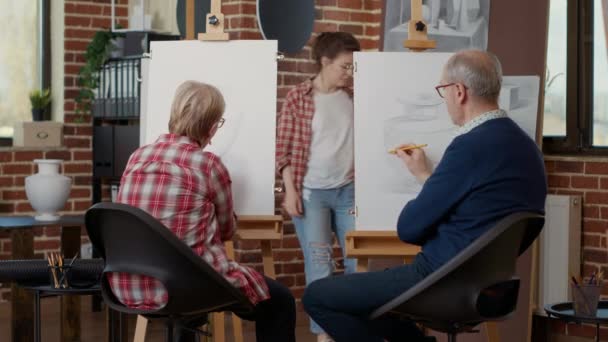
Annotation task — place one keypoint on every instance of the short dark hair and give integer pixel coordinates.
(331, 44)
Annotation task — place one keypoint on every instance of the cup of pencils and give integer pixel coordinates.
(586, 294)
(59, 271)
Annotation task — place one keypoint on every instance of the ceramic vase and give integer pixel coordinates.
(47, 190)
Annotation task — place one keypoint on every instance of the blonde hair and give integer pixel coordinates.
(196, 108)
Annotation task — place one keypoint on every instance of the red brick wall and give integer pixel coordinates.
(82, 20)
(360, 17)
(587, 177)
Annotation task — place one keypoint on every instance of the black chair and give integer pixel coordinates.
(132, 241)
(477, 285)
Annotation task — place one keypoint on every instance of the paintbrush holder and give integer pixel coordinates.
(60, 276)
(585, 299)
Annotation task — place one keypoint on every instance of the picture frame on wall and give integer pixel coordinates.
(454, 24)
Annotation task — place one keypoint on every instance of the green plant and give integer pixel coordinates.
(95, 56)
(40, 99)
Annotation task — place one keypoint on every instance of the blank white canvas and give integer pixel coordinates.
(396, 103)
(246, 73)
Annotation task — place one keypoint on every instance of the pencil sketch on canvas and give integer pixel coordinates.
(246, 141)
(453, 24)
(396, 103)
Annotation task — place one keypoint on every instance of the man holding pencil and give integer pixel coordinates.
(490, 170)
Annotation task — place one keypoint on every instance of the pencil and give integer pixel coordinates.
(407, 148)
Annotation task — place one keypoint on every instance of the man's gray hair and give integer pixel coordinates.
(479, 71)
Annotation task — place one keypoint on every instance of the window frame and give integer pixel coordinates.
(44, 26)
(579, 85)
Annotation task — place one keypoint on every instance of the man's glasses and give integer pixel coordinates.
(441, 89)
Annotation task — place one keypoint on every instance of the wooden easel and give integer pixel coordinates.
(264, 228)
(362, 244)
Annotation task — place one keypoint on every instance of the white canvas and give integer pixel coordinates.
(246, 73)
(396, 103)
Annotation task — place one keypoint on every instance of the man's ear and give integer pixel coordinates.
(461, 93)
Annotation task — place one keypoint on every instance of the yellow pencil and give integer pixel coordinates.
(407, 148)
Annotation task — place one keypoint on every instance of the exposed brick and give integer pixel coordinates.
(594, 226)
(81, 205)
(596, 168)
(583, 182)
(53, 244)
(604, 213)
(594, 255)
(350, 4)
(75, 21)
(77, 142)
(24, 207)
(550, 166)
(354, 29)
(6, 182)
(63, 155)
(7, 207)
(596, 198)
(324, 27)
(27, 155)
(83, 155)
(12, 195)
(78, 193)
(591, 211)
(558, 181)
(78, 168)
(372, 30)
(591, 240)
(6, 157)
(335, 15)
(569, 166)
(372, 5)
(17, 169)
(82, 180)
(326, 3)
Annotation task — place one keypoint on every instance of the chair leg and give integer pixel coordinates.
(451, 337)
(169, 332)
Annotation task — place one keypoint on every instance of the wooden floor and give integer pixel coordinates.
(93, 325)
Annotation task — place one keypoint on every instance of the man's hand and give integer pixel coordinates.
(292, 203)
(416, 162)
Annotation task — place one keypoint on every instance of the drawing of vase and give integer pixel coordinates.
(424, 121)
(47, 190)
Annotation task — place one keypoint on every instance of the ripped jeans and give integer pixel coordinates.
(326, 211)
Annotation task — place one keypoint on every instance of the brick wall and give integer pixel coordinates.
(82, 20)
(360, 17)
(587, 177)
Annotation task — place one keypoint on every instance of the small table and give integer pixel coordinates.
(22, 247)
(44, 291)
(565, 312)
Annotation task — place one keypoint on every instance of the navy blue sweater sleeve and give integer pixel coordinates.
(448, 184)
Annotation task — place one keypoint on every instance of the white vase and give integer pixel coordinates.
(47, 190)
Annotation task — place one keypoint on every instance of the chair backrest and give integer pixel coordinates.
(132, 241)
(478, 284)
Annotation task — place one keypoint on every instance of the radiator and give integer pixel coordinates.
(559, 249)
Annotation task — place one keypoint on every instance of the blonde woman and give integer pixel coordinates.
(189, 191)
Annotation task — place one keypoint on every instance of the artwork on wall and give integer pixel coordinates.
(407, 109)
(453, 24)
(246, 73)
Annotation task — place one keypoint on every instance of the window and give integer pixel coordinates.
(576, 85)
(23, 47)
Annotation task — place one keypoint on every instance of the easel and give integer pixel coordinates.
(264, 228)
(364, 245)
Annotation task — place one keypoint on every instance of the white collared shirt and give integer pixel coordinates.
(487, 116)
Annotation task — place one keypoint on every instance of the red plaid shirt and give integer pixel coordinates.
(294, 131)
(189, 191)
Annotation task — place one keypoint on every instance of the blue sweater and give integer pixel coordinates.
(484, 175)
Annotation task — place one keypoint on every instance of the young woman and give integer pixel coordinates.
(189, 191)
(315, 156)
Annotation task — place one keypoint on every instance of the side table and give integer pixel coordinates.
(565, 312)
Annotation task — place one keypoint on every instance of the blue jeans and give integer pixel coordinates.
(326, 211)
(342, 305)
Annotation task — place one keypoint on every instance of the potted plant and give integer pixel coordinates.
(97, 53)
(40, 100)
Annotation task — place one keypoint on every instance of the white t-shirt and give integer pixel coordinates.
(331, 158)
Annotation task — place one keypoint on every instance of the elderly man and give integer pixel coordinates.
(490, 170)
